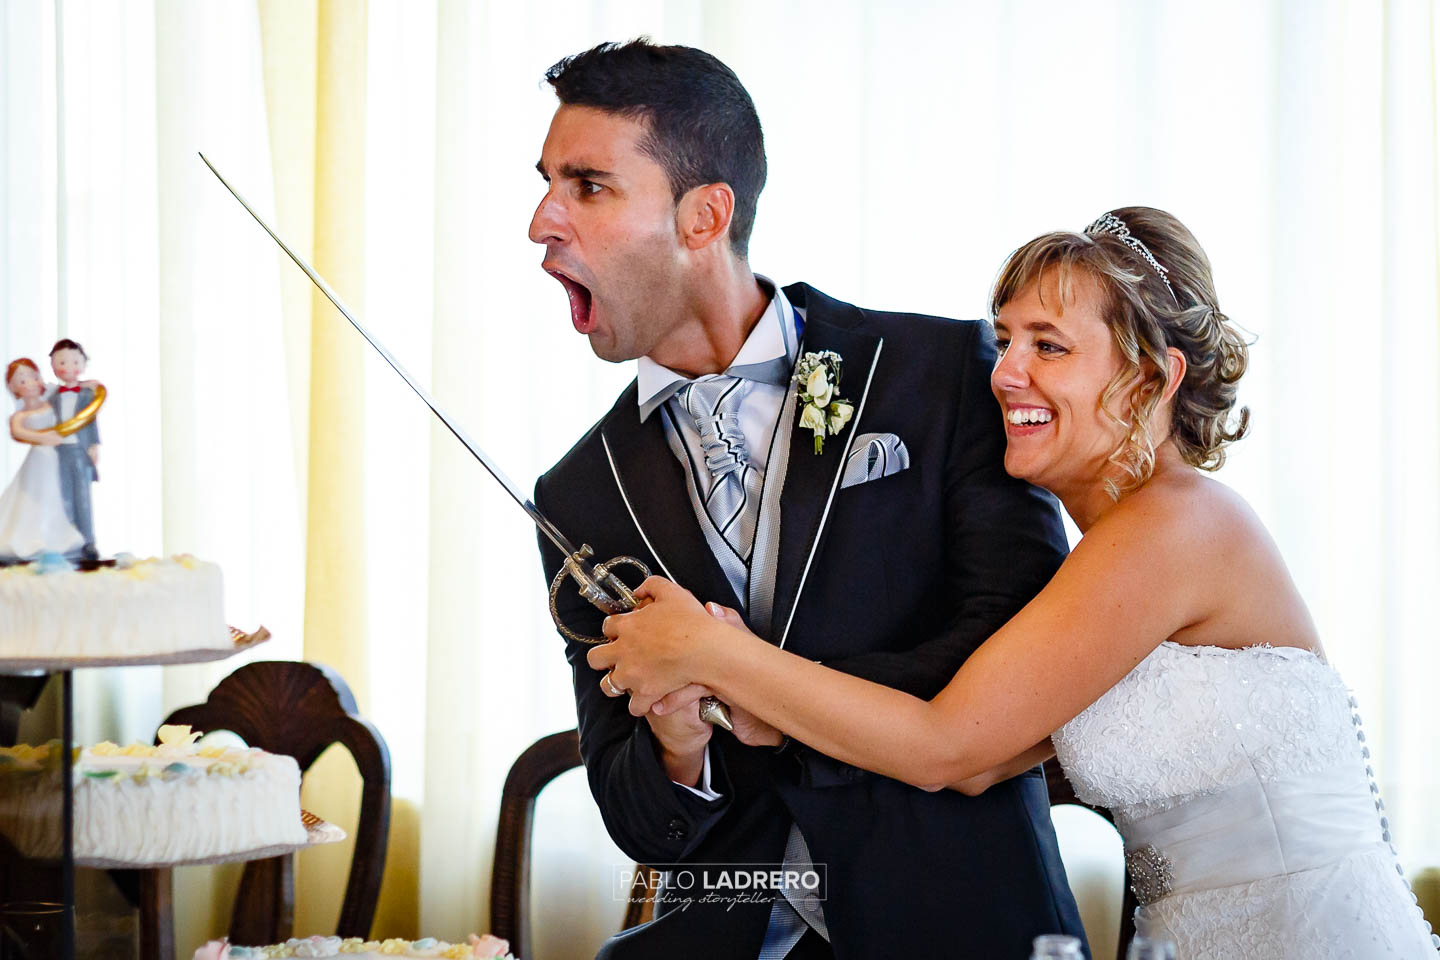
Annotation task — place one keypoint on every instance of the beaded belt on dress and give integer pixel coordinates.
(1252, 831)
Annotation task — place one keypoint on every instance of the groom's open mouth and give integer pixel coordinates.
(581, 302)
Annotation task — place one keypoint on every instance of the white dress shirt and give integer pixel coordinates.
(765, 358)
(68, 399)
(770, 347)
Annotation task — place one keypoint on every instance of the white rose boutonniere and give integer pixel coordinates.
(821, 409)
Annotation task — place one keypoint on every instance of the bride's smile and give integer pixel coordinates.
(1057, 361)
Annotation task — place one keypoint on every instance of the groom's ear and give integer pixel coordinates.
(703, 215)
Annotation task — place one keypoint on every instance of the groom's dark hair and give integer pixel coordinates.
(67, 344)
(703, 124)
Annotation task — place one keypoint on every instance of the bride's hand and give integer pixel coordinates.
(748, 728)
(655, 649)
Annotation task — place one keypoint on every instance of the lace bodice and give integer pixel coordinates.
(1189, 721)
(1241, 783)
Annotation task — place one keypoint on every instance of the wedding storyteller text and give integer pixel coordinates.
(711, 882)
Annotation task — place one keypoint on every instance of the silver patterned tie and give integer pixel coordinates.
(733, 498)
(798, 910)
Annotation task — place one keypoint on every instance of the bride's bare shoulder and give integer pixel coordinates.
(1187, 508)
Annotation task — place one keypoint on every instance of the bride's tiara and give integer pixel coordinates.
(1113, 225)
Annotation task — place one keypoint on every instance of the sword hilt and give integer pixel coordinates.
(603, 590)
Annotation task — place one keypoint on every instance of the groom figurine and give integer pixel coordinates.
(891, 550)
(79, 453)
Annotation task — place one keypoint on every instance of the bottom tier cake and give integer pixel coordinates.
(151, 805)
(476, 948)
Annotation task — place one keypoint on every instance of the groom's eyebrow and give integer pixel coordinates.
(575, 172)
(571, 171)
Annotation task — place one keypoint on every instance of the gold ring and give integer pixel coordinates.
(82, 416)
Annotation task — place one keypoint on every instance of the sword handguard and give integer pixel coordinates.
(598, 585)
(607, 592)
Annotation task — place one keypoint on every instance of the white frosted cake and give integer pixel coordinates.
(145, 607)
(476, 948)
(143, 804)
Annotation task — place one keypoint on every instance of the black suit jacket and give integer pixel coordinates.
(896, 580)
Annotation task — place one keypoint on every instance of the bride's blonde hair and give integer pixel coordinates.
(1150, 304)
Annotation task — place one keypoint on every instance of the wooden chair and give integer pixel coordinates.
(551, 756)
(1062, 792)
(542, 762)
(297, 709)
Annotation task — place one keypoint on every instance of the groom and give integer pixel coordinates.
(890, 552)
(79, 453)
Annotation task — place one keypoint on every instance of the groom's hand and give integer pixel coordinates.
(678, 714)
(682, 736)
(748, 728)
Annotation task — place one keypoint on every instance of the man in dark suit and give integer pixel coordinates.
(79, 453)
(891, 552)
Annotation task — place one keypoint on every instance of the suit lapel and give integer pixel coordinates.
(652, 484)
(812, 479)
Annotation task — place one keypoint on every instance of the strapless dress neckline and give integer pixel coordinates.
(1241, 782)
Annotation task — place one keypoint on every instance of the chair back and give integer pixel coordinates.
(540, 763)
(1061, 792)
(300, 709)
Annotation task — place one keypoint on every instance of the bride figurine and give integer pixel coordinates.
(32, 513)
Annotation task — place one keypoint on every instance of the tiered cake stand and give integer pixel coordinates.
(317, 830)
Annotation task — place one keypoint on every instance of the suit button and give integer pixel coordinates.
(675, 829)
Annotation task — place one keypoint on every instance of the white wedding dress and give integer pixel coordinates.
(1253, 827)
(32, 513)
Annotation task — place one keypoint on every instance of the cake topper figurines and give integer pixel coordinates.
(78, 451)
(38, 510)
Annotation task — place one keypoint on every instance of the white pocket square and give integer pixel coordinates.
(874, 455)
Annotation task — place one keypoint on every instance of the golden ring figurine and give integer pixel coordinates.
(82, 416)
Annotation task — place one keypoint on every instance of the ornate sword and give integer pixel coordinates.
(597, 582)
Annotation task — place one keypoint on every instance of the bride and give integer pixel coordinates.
(32, 513)
(1171, 664)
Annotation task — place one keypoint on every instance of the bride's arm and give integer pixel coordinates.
(978, 784)
(22, 433)
(1142, 573)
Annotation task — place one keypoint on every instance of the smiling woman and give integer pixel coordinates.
(1126, 327)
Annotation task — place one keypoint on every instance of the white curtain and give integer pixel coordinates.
(117, 236)
(911, 145)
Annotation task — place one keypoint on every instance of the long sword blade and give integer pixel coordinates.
(541, 521)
